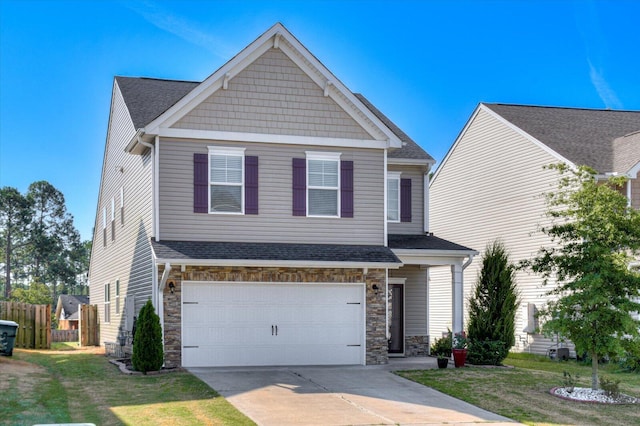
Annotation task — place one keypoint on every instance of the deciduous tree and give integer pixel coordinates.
(597, 235)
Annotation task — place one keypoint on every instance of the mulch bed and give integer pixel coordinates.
(126, 367)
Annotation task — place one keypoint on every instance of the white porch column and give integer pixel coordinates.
(457, 298)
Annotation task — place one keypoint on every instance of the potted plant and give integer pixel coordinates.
(442, 349)
(459, 349)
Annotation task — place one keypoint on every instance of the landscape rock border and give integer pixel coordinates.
(124, 363)
(589, 396)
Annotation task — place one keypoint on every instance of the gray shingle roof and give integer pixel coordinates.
(583, 136)
(626, 151)
(423, 242)
(205, 250)
(410, 150)
(147, 98)
(70, 305)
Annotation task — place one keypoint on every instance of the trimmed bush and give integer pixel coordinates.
(488, 352)
(492, 309)
(148, 354)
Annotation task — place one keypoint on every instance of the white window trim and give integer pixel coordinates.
(324, 156)
(107, 303)
(104, 218)
(113, 209)
(117, 297)
(229, 151)
(392, 175)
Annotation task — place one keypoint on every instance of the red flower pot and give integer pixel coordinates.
(459, 357)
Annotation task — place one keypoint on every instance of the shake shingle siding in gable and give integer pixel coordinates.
(275, 221)
(273, 96)
(128, 257)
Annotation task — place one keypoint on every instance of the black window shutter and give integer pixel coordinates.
(200, 183)
(405, 200)
(346, 188)
(250, 185)
(299, 183)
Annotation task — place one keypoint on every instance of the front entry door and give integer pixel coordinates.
(396, 316)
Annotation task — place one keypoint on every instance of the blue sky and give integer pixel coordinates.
(425, 64)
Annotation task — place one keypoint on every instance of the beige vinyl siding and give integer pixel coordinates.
(415, 297)
(273, 96)
(128, 256)
(275, 222)
(416, 226)
(490, 187)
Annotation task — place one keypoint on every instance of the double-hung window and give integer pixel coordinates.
(226, 180)
(323, 189)
(117, 297)
(393, 196)
(107, 303)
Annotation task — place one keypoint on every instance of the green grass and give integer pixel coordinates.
(67, 385)
(522, 392)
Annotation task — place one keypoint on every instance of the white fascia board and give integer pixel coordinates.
(214, 81)
(483, 107)
(526, 135)
(279, 263)
(410, 162)
(455, 144)
(269, 138)
(632, 173)
(432, 257)
(303, 58)
(337, 91)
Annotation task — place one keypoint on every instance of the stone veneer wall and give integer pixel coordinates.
(376, 339)
(416, 346)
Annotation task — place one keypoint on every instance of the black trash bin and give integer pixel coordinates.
(8, 331)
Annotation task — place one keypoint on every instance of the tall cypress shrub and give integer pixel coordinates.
(492, 308)
(147, 341)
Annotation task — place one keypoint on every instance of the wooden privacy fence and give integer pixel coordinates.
(88, 325)
(34, 324)
(64, 335)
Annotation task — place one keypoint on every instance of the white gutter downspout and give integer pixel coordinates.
(426, 202)
(629, 192)
(154, 188)
(161, 286)
(384, 209)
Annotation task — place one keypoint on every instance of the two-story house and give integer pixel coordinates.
(272, 216)
(491, 185)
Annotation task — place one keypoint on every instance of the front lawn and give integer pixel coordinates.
(77, 385)
(522, 392)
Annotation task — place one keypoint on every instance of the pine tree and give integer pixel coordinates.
(147, 342)
(492, 309)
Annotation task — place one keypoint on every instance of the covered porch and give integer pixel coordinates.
(409, 290)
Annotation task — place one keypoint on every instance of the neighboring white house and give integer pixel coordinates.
(267, 212)
(491, 184)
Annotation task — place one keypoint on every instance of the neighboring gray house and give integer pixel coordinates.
(267, 212)
(491, 184)
(68, 311)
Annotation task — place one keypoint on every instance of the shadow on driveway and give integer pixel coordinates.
(341, 395)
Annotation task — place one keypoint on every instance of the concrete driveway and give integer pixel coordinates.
(347, 395)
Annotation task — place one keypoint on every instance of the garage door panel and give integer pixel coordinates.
(235, 324)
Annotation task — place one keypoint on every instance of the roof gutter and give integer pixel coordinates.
(282, 263)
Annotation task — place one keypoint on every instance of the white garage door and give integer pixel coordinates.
(244, 324)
